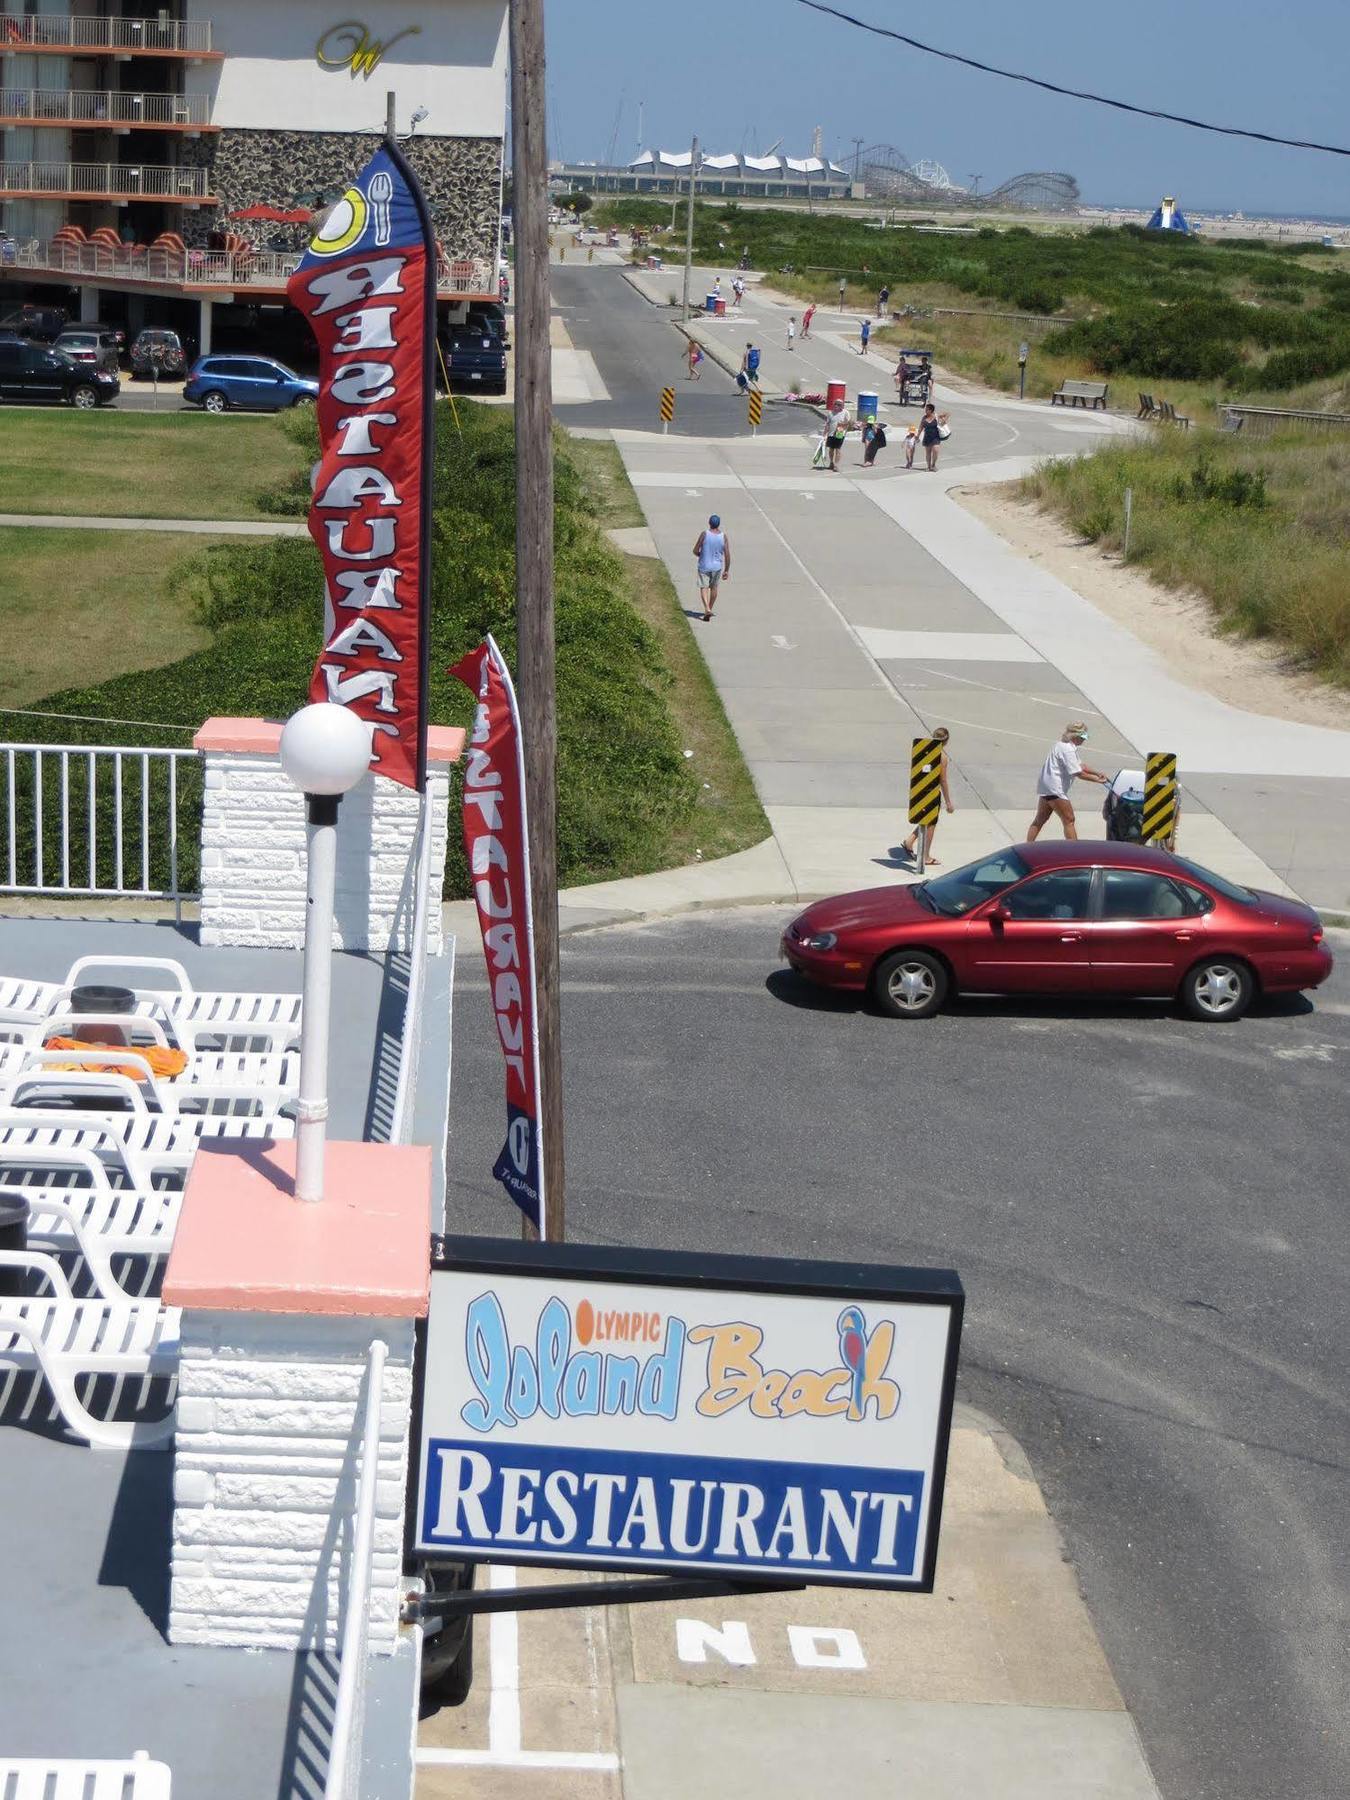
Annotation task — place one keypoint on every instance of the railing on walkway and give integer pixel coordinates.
(204, 268)
(1263, 420)
(344, 1758)
(94, 819)
(155, 180)
(58, 31)
(86, 106)
(401, 1124)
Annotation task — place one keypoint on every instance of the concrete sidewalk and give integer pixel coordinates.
(993, 1685)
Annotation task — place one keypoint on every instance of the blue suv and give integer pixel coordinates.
(217, 383)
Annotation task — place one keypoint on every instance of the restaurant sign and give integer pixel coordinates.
(751, 1417)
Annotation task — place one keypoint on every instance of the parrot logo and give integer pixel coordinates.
(853, 1346)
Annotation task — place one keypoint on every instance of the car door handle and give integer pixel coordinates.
(1071, 937)
(1183, 937)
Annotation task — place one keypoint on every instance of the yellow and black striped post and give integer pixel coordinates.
(925, 790)
(667, 407)
(756, 410)
(1160, 798)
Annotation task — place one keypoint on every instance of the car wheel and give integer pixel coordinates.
(86, 398)
(1218, 990)
(214, 402)
(302, 400)
(910, 984)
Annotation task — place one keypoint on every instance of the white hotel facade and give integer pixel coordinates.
(131, 138)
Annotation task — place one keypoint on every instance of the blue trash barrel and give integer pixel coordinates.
(710, 303)
(867, 406)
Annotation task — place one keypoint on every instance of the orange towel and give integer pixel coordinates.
(162, 1060)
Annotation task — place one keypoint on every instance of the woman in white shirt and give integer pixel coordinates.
(1061, 769)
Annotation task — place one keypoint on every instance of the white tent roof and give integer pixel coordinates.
(643, 161)
(804, 165)
(720, 162)
(674, 159)
(762, 164)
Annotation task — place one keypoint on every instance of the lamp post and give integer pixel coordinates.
(1022, 370)
(325, 750)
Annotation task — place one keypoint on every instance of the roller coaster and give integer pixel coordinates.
(888, 174)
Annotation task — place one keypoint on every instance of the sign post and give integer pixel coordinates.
(756, 411)
(1159, 824)
(1022, 350)
(667, 409)
(925, 790)
(763, 1420)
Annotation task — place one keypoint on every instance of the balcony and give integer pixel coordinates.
(59, 35)
(105, 181)
(86, 110)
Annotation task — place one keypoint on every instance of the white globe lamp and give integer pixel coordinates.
(325, 751)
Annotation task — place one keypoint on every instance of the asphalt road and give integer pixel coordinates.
(638, 351)
(1149, 1217)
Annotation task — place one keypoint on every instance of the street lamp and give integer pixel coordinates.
(1022, 370)
(325, 750)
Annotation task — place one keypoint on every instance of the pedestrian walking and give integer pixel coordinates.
(941, 733)
(737, 291)
(865, 332)
(1061, 769)
(836, 428)
(874, 439)
(883, 301)
(931, 434)
(750, 364)
(911, 444)
(717, 287)
(713, 551)
(694, 357)
(791, 332)
(807, 317)
(843, 290)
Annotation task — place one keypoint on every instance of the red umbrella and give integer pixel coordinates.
(276, 215)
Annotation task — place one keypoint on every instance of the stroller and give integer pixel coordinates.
(1123, 808)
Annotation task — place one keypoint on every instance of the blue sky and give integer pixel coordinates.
(742, 73)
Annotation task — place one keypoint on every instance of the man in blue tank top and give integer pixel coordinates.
(713, 550)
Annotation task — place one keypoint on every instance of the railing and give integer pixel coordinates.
(400, 1130)
(85, 106)
(1266, 419)
(56, 31)
(204, 268)
(344, 1758)
(90, 819)
(160, 180)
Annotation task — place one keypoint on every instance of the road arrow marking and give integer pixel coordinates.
(781, 643)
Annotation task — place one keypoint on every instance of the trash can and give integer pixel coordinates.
(835, 393)
(721, 307)
(13, 1236)
(95, 997)
(867, 406)
(710, 303)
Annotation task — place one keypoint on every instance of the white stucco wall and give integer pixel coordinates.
(453, 64)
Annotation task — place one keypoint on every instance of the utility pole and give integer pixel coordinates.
(534, 571)
(689, 225)
(857, 156)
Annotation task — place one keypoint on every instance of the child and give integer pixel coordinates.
(695, 356)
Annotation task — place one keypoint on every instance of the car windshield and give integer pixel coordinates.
(1244, 896)
(963, 889)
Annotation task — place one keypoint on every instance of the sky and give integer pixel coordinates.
(742, 73)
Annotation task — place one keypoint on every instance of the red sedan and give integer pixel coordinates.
(1079, 918)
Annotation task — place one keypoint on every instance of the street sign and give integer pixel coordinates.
(667, 406)
(925, 781)
(756, 408)
(654, 1412)
(1160, 797)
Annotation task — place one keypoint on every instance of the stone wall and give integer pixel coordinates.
(461, 176)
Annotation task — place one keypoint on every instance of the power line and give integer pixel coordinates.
(1050, 87)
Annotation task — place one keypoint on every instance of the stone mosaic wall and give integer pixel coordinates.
(461, 176)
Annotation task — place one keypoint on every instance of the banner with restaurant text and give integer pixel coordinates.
(367, 285)
(497, 845)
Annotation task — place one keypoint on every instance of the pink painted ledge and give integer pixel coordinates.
(245, 1244)
(262, 737)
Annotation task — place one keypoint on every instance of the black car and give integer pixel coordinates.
(157, 351)
(30, 372)
(475, 358)
(488, 315)
(40, 324)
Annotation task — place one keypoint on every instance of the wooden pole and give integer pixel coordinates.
(534, 569)
(689, 226)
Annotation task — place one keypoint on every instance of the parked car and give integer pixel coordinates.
(488, 315)
(154, 350)
(1091, 919)
(37, 372)
(475, 358)
(92, 345)
(217, 383)
(40, 324)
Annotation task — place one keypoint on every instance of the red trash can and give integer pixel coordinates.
(721, 306)
(835, 394)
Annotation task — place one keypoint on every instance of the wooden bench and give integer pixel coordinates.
(1148, 407)
(1170, 416)
(1080, 393)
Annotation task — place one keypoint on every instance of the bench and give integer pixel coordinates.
(1148, 407)
(1080, 393)
(1170, 416)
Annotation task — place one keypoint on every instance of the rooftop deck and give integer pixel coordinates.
(85, 1668)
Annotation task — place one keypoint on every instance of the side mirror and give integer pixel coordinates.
(999, 916)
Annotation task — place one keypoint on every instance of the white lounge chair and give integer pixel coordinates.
(147, 1150)
(99, 1222)
(275, 1074)
(63, 1339)
(40, 1077)
(70, 1778)
(223, 1018)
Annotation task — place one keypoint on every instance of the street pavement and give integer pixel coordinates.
(1148, 1216)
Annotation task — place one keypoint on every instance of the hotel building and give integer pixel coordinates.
(147, 155)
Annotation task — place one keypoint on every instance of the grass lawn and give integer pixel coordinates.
(142, 465)
(90, 605)
(727, 815)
